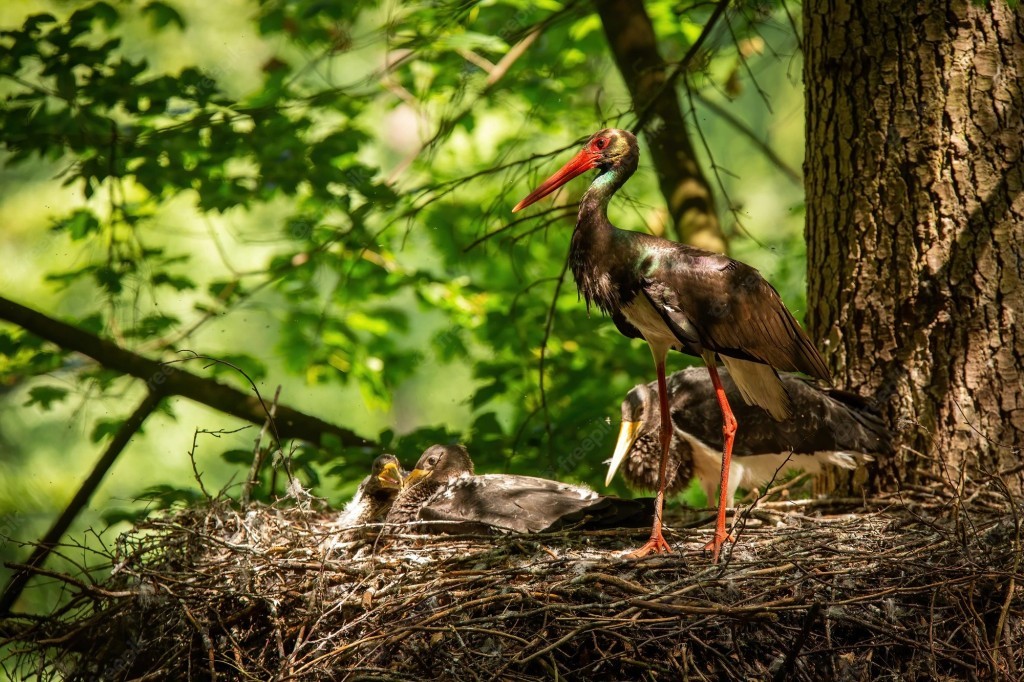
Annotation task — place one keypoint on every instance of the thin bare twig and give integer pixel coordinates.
(745, 130)
(258, 452)
(548, 326)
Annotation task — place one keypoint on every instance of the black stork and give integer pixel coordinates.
(444, 491)
(680, 297)
(375, 495)
(828, 427)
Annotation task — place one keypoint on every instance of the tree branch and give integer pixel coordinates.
(687, 193)
(170, 381)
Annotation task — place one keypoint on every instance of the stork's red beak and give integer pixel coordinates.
(581, 163)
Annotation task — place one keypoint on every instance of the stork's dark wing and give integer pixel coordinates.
(730, 309)
(524, 504)
(821, 421)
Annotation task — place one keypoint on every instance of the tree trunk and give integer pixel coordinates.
(634, 45)
(915, 122)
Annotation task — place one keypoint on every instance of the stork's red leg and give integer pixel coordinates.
(657, 543)
(729, 431)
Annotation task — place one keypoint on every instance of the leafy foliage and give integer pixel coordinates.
(370, 164)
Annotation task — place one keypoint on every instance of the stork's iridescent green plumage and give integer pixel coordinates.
(680, 297)
(701, 296)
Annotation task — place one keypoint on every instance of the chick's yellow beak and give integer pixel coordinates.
(390, 476)
(415, 476)
(628, 433)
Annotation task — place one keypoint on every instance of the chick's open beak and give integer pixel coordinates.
(390, 476)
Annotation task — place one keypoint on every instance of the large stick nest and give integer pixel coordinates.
(916, 586)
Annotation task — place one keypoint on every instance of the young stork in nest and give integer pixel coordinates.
(827, 428)
(375, 495)
(443, 489)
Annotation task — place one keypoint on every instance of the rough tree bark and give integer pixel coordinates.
(915, 221)
(687, 193)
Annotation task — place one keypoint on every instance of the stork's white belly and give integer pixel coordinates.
(642, 315)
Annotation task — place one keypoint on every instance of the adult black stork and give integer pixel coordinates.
(680, 297)
(828, 427)
(375, 495)
(443, 489)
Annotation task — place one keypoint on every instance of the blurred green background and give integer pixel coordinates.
(320, 194)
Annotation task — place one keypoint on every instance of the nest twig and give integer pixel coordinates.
(913, 586)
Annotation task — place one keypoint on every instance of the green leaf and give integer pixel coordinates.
(225, 290)
(176, 282)
(161, 14)
(244, 457)
(78, 225)
(108, 278)
(44, 396)
(231, 363)
(486, 394)
(33, 23)
(106, 13)
(469, 40)
(151, 326)
(66, 85)
(487, 427)
(158, 497)
(104, 428)
(93, 323)
(584, 27)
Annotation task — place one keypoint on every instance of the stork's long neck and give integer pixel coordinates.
(593, 215)
(594, 250)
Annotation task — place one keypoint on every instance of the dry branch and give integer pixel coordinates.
(42, 550)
